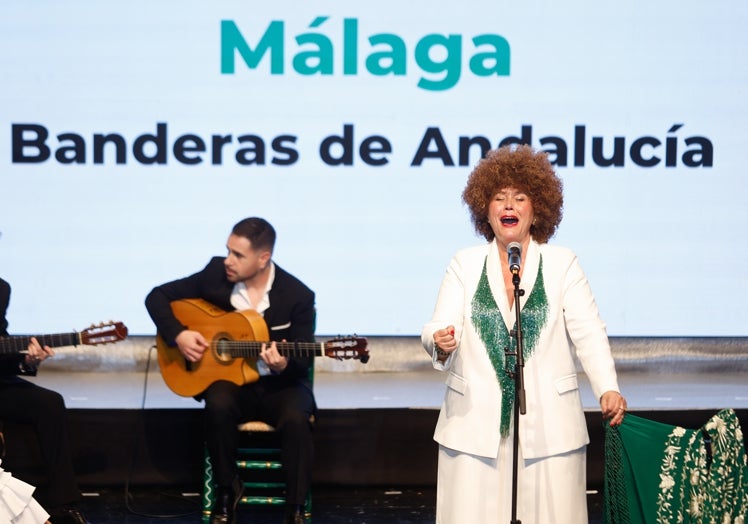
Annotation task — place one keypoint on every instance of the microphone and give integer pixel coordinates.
(514, 249)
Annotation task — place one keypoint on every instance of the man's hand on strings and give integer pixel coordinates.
(192, 345)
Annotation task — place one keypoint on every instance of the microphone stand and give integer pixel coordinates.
(519, 388)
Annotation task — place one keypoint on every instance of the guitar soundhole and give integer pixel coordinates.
(223, 349)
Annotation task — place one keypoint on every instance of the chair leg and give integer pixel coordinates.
(308, 507)
(209, 495)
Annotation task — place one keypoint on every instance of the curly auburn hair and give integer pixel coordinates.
(518, 167)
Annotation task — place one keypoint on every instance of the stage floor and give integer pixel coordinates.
(330, 506)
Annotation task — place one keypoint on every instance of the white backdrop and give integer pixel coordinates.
(85, 241)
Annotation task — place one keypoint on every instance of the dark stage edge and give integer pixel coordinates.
(361, 447)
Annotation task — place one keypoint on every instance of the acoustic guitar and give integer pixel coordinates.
(104, 333)
(236, 339)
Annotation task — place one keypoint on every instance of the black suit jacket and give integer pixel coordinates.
(4, 302)
(9, 363)
(290, 317)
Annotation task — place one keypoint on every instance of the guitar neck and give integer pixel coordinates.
(252, 349)
(17, 344)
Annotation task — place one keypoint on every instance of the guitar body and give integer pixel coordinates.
(216, 325)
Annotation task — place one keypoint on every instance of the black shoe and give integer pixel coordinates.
(227, 498)
(67, 516)
(294, 516)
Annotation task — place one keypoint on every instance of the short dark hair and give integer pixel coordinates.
(258, 231)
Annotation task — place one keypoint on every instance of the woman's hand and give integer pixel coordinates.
(613, 407)
(444, 342)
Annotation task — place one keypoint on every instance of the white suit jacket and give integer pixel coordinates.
(554, 423)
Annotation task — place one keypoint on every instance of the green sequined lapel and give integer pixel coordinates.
(494, 333)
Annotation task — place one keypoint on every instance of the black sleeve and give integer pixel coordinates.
(4, 302)
(209, 284)
(10, 363)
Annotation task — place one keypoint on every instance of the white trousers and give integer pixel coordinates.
(478, 490)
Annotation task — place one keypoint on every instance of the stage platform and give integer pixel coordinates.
(654, 374)
(376, 419)
(400, 390)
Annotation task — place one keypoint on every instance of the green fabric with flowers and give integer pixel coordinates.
(659, 473)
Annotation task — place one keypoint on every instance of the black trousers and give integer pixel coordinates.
(44, 410)
(287, 407)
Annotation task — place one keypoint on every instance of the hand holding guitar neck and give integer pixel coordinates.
(104, 333)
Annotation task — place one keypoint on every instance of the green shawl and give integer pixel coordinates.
(658, 473)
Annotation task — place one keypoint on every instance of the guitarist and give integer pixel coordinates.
(247, 278)
(29, 404)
